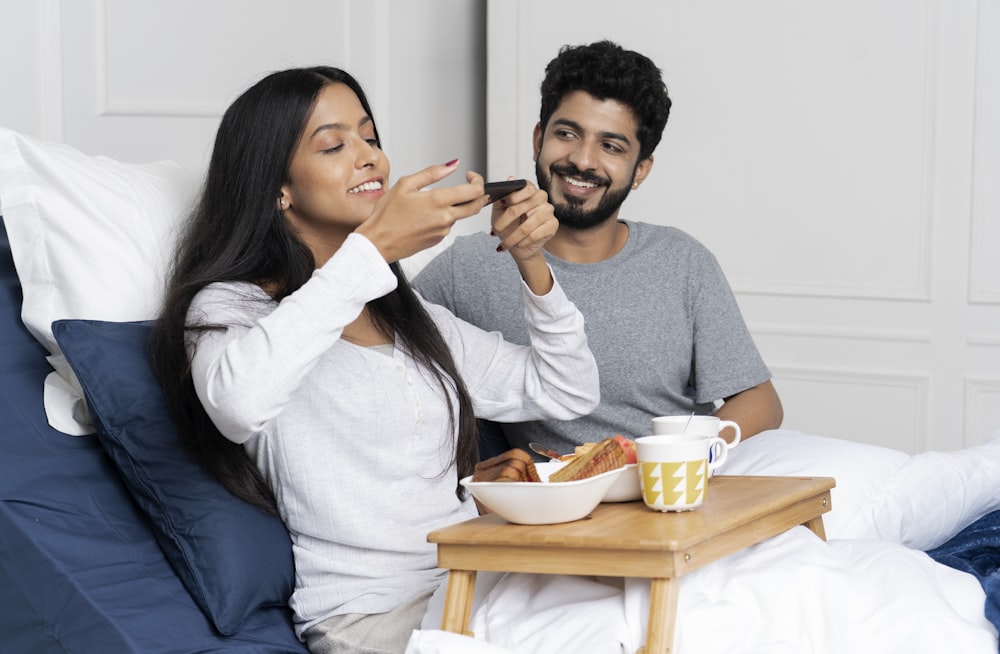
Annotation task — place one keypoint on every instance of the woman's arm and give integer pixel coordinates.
(246, 374)
(524, 221)
(555, 377)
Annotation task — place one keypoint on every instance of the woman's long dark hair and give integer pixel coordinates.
(236, 233)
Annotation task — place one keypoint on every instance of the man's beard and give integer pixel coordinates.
(572, 214)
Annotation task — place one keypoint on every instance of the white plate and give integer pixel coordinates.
(534, 503)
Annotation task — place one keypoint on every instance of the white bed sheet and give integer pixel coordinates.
(869, 588)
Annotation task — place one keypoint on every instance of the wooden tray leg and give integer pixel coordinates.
(458, 601)
(662, 616)
(816, 526)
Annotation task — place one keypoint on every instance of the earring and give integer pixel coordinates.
(283, 203)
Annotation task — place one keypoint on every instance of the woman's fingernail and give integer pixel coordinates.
(492, 233)
(451, 163)
(499, 248)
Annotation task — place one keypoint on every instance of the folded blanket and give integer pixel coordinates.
(871, 588)
(792, 594)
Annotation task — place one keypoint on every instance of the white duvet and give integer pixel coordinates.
(868, 589)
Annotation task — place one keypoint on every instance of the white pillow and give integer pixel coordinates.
(934, 495)
(919, 501)
(860, 469)
(91, 238)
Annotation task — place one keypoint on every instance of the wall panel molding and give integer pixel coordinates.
(51, 53)
(245, 53)
(766, 168)
(918, 287)
(887, 408)
(984, 340)
(982, 408)
(844, 333)
(110, 104)
(984, 263)
(918, 291)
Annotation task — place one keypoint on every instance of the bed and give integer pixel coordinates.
(111, 540)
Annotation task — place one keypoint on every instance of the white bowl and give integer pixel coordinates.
(542, 503)
(626, 488)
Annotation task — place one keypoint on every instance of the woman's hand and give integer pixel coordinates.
(408, 219)
(525, 221)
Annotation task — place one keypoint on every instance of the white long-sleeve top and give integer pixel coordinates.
(357, 445)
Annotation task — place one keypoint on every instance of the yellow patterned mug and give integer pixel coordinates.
(674, 472)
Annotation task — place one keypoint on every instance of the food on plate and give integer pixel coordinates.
(627, 444)
(601, 457)
(512, 465)
(631, 456)
(587, 460)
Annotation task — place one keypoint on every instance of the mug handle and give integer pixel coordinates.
(729, 423)
(718, 451)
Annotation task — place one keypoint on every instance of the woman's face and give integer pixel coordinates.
(337, 172)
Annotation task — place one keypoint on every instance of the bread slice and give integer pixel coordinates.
(603, 457)
(512, 465)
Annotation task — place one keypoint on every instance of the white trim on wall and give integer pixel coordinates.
(50, 55)
(982, 408)
(984, 268)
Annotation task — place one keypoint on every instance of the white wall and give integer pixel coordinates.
(144, 80)
(147, 80)
(841, 160)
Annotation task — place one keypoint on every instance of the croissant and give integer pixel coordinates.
(512, 465)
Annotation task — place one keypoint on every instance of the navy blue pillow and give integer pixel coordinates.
(232, 557)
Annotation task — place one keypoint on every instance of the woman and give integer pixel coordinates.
(290, 334)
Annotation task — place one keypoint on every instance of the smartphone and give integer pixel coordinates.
(497, 190)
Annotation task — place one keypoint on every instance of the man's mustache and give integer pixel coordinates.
(572, 171)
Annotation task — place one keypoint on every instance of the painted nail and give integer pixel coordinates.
(451, 163)
(499, 248)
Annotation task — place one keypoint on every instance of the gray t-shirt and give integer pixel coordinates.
(660, 318)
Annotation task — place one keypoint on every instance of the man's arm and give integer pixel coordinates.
(755, 410)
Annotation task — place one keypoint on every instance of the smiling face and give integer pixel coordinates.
(337, 172)
(587, 159)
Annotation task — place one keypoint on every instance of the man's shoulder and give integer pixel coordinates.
(662, 236)
(657, 231)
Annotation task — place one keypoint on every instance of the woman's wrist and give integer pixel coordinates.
(536, 274)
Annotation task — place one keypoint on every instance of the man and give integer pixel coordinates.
(661, 319)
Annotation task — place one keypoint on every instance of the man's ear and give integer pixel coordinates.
(642, 171)
(536, 140)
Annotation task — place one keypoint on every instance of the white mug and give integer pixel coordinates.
(698, 425)
(674, 472)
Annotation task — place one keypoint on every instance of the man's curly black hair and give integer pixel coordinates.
(607, 71)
